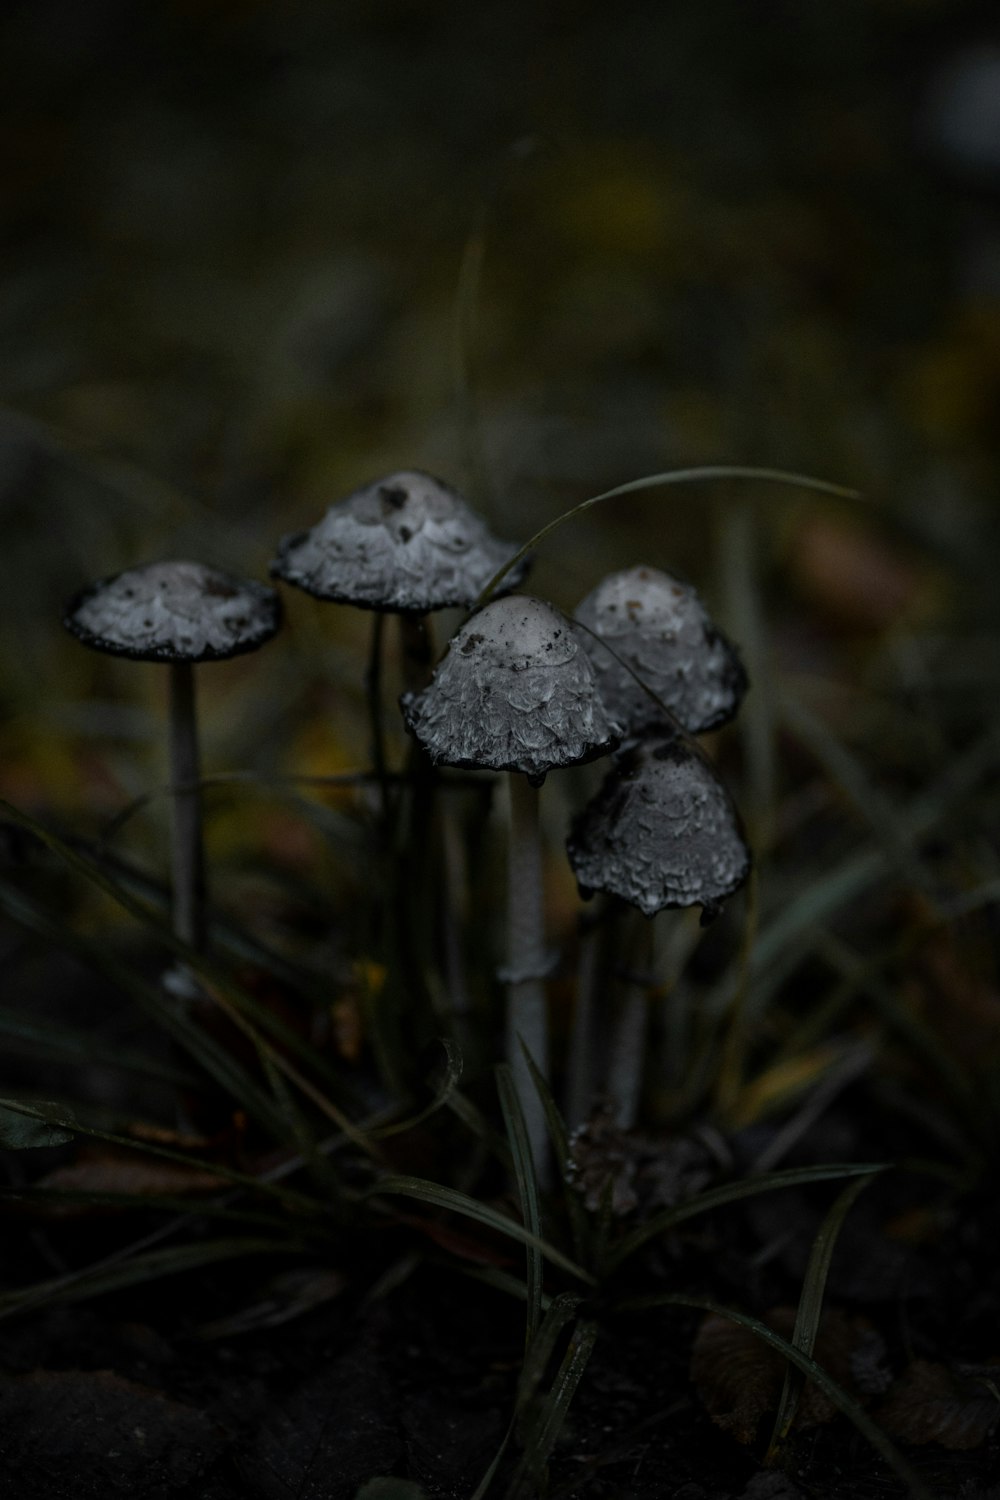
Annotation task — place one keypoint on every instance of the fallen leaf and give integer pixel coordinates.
(739, 1378)
(99, 1173)
(853, 575)
(930, 1403)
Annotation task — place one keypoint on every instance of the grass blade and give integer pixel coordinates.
(545, 1432)
(857, 872)
(559, 1137)
(561, 1312)
(137, 1269)
(470, 1208)
(657, 481)
(21, 1131)
(66, 1044)
(215, 1059)
(527, 1191)
(52, 1115)
(443, 1096)
(881, 1443)
(208, 1208)
(810, 1308)
(733, 1192)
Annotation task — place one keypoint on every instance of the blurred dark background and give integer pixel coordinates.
(233, 289)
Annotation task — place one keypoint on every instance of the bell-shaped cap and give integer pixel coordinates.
(174, 611)
(662, 831)
(662, 631)
(515, 692)
(407, 543)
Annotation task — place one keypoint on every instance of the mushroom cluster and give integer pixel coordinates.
(520, 688)
(662, 830)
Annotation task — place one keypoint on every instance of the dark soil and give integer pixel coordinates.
(128, 1396)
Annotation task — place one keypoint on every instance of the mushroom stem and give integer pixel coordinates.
(583, 1047)
(526, 961)
(628, 1037)
(188, 863)
(416, 642)
(373, 690)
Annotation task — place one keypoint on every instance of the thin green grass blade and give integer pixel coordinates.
(61, 1043)
(200, 963)
(559, 1136)
(215, 1059)
(80, 1285)
(810, 1308)
(175, 1203)
(484, 1484)
(500, 1281)
(461, 1203)
(656, 481)
(527, 1192)
(463, 342)
(738, 544)
(318, 1162)
(561, 1312)
(475, 1121)
(906, 1023)
(850, 776)
(733, 1192)
(443, 1095)
(53, 1116)
(545, 1432)
(20, 1131)
(882, 1444)
(234, 941)
(856, 873)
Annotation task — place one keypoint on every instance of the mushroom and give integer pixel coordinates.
(407, 544)
(180, 613)
(660, 629)
(516, 692)
(661, 832)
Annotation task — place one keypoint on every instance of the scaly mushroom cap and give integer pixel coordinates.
(407, 543)
(661, 629)
(174, 611)
(661, 831)
(515, 692)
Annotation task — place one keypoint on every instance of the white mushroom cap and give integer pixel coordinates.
(174, 611)
(661, 629)
(408, 543)
(515, 692)
(661, 831)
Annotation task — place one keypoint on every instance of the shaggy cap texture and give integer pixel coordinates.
(661, 629)
(661, 831)
(174, 611)
(407, 543)
(516, 692)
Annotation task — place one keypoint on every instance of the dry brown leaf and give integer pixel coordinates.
(107, 1173)
(931, 1404)
(853, 575)
(739, 1378)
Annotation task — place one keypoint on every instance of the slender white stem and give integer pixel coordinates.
(583, 1044)
(628, 1053)
(188, 862)
(527, 1022)
(416, 651)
